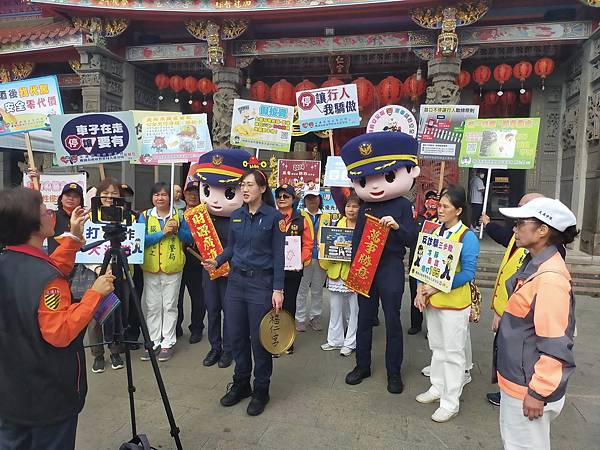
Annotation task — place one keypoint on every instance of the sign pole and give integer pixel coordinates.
(102, 172)
(441, 180)
(172, 184)
(331, 147)
(485, 198)
(257, 152)
(156, 174)
(36, 183)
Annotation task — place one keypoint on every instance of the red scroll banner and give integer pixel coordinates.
(206, 237)
(368, 254)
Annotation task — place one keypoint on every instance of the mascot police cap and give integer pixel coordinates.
(377, 153)
(222, 167)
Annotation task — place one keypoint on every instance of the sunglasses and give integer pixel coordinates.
(284, 196)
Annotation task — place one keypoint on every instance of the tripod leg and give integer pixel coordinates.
(130, 390)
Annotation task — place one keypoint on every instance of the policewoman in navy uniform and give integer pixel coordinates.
(255, 251)
(382, 167)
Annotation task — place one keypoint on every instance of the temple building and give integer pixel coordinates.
(197, 56)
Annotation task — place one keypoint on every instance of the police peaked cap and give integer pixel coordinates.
(222, 167)
(378, 153)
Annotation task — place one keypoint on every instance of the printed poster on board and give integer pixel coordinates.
(133, 244)
(335, 243)
(51, 186)
(435, 261)
(27, 105)
(336, 173)
(138, 119)
(94, 138)
(293, 253)
(303, 175)
(441, 130)
(500, 143)
(174, 138)
(265, 126)
(393, 118)
(328, 108)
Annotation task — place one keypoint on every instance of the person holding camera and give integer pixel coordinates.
(164, 259)
(40, 328)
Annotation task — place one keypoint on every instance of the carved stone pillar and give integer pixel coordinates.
(443, 73)
(228, 81)
(101, 81)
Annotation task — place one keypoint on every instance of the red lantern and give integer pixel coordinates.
(490, 98)
(260, 91)
(176, 83)
(525, 98)
(522, 71)
(331, 83)
(366, 93)
(544, 68)
(205, 86)
(502, 74)
(508, 103)
(482, 75)
(189, 83)
(162, 82)
(390, 90)
(415, 88)
(463, 79)
(196, 106)
(305, 85)
(282, 93)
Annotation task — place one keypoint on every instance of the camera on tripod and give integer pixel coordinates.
(111, 211)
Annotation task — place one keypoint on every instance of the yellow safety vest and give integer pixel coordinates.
(336, 269)
(460, 297)
(166, 256)
(512, 261)
(324, 220)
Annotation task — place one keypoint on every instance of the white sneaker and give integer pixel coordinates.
(426, 371)
(442, 415)
(427, 397)
(467, 378)
(346, 351)
(328, 347)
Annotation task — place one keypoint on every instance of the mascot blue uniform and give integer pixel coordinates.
(219, 173)
(383, 167)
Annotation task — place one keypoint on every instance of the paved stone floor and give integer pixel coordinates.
(312, 408)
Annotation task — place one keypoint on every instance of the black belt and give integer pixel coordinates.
(251, 273)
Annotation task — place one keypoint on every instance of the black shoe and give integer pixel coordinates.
(414, 330)
(116, 361)
(236, 392)
(290, 351)
(178, 332)
(494, 398)
(212, 358)
(376, 321)
(357, 375)
(225, 360)
(195, 338)
(133, 346)
(99, 364)
(260, 398)
(395, 385)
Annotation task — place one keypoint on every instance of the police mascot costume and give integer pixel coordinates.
(383, 167)
(219, 172)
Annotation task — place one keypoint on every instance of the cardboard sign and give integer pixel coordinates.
(27, 105)
(328, 108)
(133, 245)
(336, 174)
(435, 261)
(499, 143)
(51, 186)
(393, 118)
(335, 243)
(138, 119)
(264, 126)
(94, 138)
(303, 175)
(174, 138)
(293, 253)
(441, 130)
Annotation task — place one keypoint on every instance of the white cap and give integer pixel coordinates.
(548, 210)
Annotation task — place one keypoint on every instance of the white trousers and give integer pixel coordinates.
(518, 432)
(468, 349)
(447, 335)
(313, 277)
(338, 303)
(159, 304)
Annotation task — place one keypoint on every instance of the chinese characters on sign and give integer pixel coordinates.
(328, 108)
(303, 175)
(26, 105)
(435, 261)
(206, 237)
(138, 120)
(293, 253)
(264, 126)
(93, 138)
(336, 173)
(393, 118)
(133, 245)
(335, 243)
(51, 186)
(368, 254)
(441, 129)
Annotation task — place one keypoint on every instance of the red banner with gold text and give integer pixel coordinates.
(368, 254)
(206, 237)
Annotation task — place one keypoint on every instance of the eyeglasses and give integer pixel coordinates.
(520, 222)
(284, 196)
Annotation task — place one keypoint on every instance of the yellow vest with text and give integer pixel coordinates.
(460, 297)
(336, 269)
(167, 256)
(510, 264)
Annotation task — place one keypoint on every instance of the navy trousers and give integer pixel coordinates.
(57, 436)
(247, 301)
(214, 298)
(192, 280)
(387, 287)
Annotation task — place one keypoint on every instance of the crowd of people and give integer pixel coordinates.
(532, 299)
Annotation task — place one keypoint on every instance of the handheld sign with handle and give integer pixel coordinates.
(36, 181)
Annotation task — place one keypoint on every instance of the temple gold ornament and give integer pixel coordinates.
(114, 27)
(75, 65)
(15, 71)
(467, 12)
(447, 43)
(95, 26)
(233, 28)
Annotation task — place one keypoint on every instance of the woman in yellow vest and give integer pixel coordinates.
(448, 313)
(164, 259)
(339, 294)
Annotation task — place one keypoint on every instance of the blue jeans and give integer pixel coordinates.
(56, 436)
